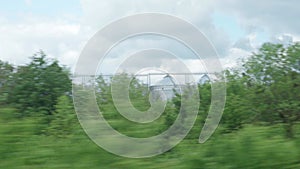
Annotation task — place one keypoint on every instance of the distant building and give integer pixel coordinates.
(164, 89)
(204, 79)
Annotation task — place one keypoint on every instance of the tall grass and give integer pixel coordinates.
(253, 147)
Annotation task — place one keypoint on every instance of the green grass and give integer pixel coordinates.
(253, 147)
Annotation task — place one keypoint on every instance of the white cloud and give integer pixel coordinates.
(235, 57)
(64, 37)
(28, 2)
(100, 13)
(274, 16)
(21, 40)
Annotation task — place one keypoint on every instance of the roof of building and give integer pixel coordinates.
(166, 81)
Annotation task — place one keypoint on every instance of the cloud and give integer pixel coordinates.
(58, 39)
(274, 16)
(63, 37)
(244, 43)
(28, 2)
(99, 13)
(283, 39)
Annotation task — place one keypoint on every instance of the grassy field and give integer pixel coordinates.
(253, 147)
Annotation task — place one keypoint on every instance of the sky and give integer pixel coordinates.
(62, 28)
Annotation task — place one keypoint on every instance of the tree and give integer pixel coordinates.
(237, 111)
(138, 92)
(64, 118)
(275, 69)
(37, 86)
(6, 72)
(103, 92)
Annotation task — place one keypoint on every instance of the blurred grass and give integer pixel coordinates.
(253, 147)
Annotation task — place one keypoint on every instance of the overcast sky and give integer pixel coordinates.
(62, 28)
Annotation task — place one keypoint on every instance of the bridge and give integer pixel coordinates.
(150, 79)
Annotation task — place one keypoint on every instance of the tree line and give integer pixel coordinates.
(263, 90)
(40, 89)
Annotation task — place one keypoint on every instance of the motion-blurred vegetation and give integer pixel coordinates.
(259, 129)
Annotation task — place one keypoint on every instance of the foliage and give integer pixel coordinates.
(238, 111)
(6, 72)
(265, 90)
(37, 85)
(275, 93)
(253, 147)
(64, 118)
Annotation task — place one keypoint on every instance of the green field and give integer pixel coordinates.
(253, 147)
